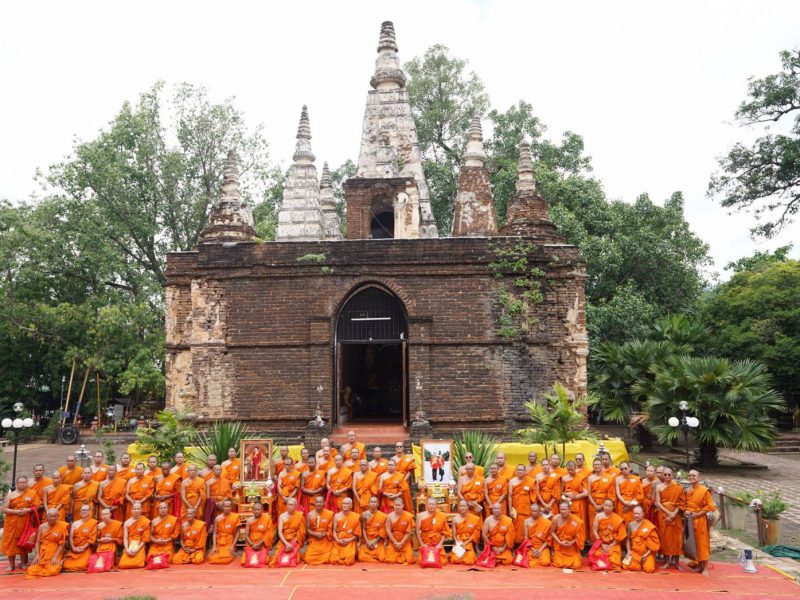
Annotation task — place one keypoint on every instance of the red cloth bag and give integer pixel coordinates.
(157, 561)
(430, 557)
(27, 539)
(287, 559)
(521, 555)
(101, 562)
(598, 562)
(255, 559)
(487, 558)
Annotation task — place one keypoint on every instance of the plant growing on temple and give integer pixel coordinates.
(172, 434)
(561, 419)
(219, 437)
(519, 287)
(483, 447)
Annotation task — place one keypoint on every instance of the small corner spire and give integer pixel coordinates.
(475, 154)
(325, 181)
(525, 179)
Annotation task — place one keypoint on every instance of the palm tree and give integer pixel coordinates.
(733, 400)
(561, 420)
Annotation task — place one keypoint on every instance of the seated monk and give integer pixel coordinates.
(226, 532)
(111, 494)
(698, 505)
(192, 541)
(109, 532)
(346, 531)
(288, 483)
(16, 507)
(193, 492)
(609, 527)
(373, 534)
(318, 527)
(628, 492)
(82, 536)
(399, 527)
(259, 532)
(165, 485)
(642, 544)
(50, 542)
(498, 532)
(495, 490)
(84, 493)
(469, 459)
(538, 532)
(568, 538)
(164, 530)
(548, 489)
(291, 531)
(135, 535)
(466, 533)
(519, 500)
(600, 488)
(432, 528)
(470, 488)
(340, 482)
(390, 486)
(58, 496)
(312, 484)
(669, 502)
(378, 464)
(139, 489)
(365, 485)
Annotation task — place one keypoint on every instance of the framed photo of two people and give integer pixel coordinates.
(437, 461)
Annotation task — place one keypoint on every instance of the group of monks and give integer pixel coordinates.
(340, 507)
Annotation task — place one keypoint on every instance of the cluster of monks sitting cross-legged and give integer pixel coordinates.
(329, 510)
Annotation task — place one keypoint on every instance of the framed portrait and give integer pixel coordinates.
(437, 461)
(256, 457)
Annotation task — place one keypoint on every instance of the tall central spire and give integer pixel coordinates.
(388, 75)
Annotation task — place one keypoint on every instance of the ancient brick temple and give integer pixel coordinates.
(396, 324)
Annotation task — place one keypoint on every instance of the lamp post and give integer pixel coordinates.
(17, 424)
(685, 423)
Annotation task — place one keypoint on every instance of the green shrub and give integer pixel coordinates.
(220, 436)
(483, 447)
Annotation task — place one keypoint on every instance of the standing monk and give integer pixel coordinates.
(352, 461)
(469, 459)
(166, 487)
(580, 463)
(84, 493)
(351, 445)
(217, 490)
(404, 463)
(628, 491)
(312, 484)
(50, 542)
(280, 463)
(568, 539)
(609, 527)
(365, 485)
(181, 466)
(390, 487)
(608, 466)
(207, 472)
(98, 467)
(432, 529)
(302, 464)
(319, 524)
(575, 489)
(70, 474)
(58, 496)
(82, 535)
(643, 544)
(399, 527)
(498, 532)
(505, 470)
(670, 501)
(164, 530)
(232, 468)
(548, 489)
(373, 531)
(193, 491)
(111, 493)
(16, 507)
(288, 483)
(40, 482)
(152, 471)
(649, 484)
(259, 533)
(135, 535)
(471, 489)
(519, 500)
(466, 533)
(291, 532)
(193, 540)
(538, 532)
(226, 533)
(698, 505)
(495, 489)
(139, 489)
(378, 464)
(346, 531)
(340, 482)
(533, 468)
(599, 490)
(555, 466)
(124, 469)
(109, 533)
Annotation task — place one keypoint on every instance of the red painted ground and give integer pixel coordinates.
(389, 582)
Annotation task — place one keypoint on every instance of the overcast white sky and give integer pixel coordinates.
(652, 87)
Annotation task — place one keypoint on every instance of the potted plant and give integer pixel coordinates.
(772, 505)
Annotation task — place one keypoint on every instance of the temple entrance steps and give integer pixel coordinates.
(372, 434)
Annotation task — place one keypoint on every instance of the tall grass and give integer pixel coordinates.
(483, 447)
(219, 437)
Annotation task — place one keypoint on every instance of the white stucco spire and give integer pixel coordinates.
(525, 180)
(475, 154)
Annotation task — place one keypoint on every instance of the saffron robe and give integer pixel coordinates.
(671, 533)
(193, 538)
(220, 490)
(345, 527)
(569, 557)
(473, 491)
(14, 524)
(70, 476)
(58, 497)
(433, 529)
(231, 470)
(468, 533)
(50, 538)
(318, 551)
(600, 490)
(392, 484)
(503, 534)
(507, 472)
(127, 473)
(576, 484)
(138, 531)
(612, 472)
(225, 529)
(294, 530)
(195, 493)
(495, 489)
(405, 465)
(699, 499)
(612, 528)
(113, 530)
(261, 530)
(521, 503)
(100, 474)
(342, 479)
(630, 489)
(373, 527)
(82, 534)
(168, 527)
(140, 490)
(40, 486)
(644, 538)
(113, 494)
(400, 527)
(346, 448)
(289, 483)
(366, 487)
(85, 495)
(313, 481)
(380, 467)
(549, 488)
(649, 493)
(166, 487)
(540, 537)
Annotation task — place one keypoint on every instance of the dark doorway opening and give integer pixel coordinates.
(382, 226)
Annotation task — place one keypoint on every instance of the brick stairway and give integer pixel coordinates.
(787, 443)
(372, 434)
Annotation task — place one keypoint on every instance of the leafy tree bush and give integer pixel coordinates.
(172, 434)
(559, 421)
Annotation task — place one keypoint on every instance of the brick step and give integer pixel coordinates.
(785, 450)
(371, 434)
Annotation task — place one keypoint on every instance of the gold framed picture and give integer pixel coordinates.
(256, 456)
(437, 461)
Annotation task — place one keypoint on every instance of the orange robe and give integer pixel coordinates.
(549, 488)
(220, 490)
(195, 492)
(193, 537)
(649, 493)
(569, 557)
(127, 473)
(671, 534)
(347, 526)
(392, 484)
(346, 448)
(600, 490)
(521, 502)
(288, 484)
(644, 538)
(113, 494)
(612, 472)
(49, 541)
(114, 530)
(341, 480)
(86, 495)
(612, 528)
(468, 533)
(166, 486)
(373, 527)
(507, 472)
(630, 489)
(261, 530)
(59, 496)
(294, 530)
(366, 487)
(313, 481)
(496, 489)
(232, 470)
(433, 529)
(85, 534)
(140, 490)
(698, 499)
(70, 477)
(541, 538)
(100, 474)
(404, 465)
(318, 551)
(14, 524)
(401, 526)
(473, 491)
(576, 485)
(138, 531)
(39, 487)
(225, 529)
(503, 534)
(380, 467)
(326, 465)
(168, 527)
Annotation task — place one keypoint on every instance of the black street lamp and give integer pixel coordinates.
(17, 424)
(685, 423)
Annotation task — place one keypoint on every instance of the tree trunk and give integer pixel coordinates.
(709, 455)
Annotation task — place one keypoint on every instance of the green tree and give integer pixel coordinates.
(172, 435)
(559, 421)
(764, 177)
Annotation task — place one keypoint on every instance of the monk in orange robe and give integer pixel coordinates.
(533, 468)
(232, 469)
(291, 531)
(340, 482)
(125, 469)
(498, 532)
(365, 485)
(346, 532)
(226, 532)
(390, 486)
(698, 504)
(373, 534)
(643, 543)
(50, 543)
(352, 461)
(40, 482)
(302, 464)
(548, 489)
(288, 484)
(495, 490)
(139, 489)
(555, 466)
(628, 492)
(378, 464)
(109, 532)
(575, 489)
(58, 496)
(670, 501)
(399, 527)
(405, 464)
(98, 467)
(164, 530)
(600, 489)
(325, 461)
(538, 532)
(135, 535)
(319, 524)
(280, 463)
(469, 459)
(193, 492)
(192, 541)
(82, 536)
(608, 466)
(207, 472)
(519, 500)
(471, 488)
(351, 444)
(312, 484)
(111, 494)
(582, 467)
(165, 485)
(16, 507)
(181, 467)
(505, 470)
(84, 493)
(610, 528)
(432, 528)
(649, 485)
(568, 538)
(466, 532)
(217, 489)
(259, 532)
(70, 473)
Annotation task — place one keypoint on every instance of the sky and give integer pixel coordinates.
(651, 87)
